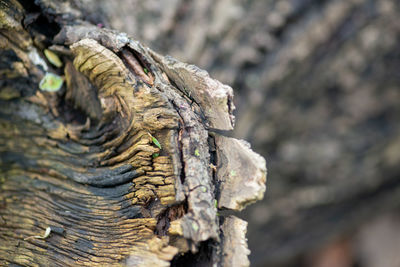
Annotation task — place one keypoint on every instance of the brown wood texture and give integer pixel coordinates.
(120, 165)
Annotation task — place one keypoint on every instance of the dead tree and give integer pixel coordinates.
(111, 154)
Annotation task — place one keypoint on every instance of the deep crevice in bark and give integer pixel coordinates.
(203, 258)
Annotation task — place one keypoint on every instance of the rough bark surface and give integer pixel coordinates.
(316, 91)
(121, 163)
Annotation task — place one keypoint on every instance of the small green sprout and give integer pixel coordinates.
(155, 155)
(53, 58)
(216, 207)
(197, 152)
(195, 226)
(146, 70)
(233, 173)
(155, 141)
(51, 82)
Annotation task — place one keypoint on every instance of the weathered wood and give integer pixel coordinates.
(121, 161)
(316, 89)
(235, 243)
(236, 159)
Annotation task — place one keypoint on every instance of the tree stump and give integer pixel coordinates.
(111, 154)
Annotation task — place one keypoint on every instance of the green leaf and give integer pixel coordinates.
(145, 70)
(155, 155)
(197, 152)
(51, 82)
(53, 58)
(155, 141)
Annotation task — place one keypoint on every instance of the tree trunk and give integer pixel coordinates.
(317, 90)
(111, 154)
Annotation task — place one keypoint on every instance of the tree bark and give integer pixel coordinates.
(316, 91)
(111, 154)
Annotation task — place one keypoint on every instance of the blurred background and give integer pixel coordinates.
(317, 91)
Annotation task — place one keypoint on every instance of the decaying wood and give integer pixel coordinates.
(235, 193)
(235, 245)
(125, 162)
(316, 89)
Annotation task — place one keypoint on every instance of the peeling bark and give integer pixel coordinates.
(125, 162)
